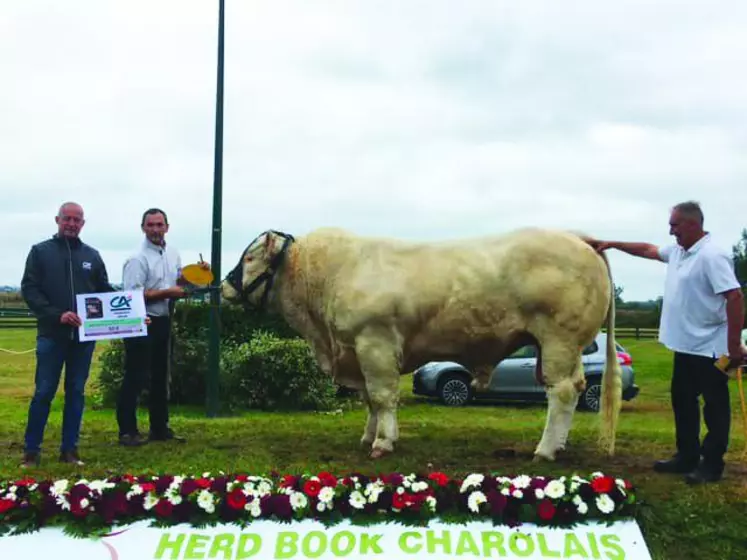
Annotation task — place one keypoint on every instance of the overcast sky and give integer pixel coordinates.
(415, 119)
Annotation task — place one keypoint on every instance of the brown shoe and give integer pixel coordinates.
(71, 457)
(31, 459)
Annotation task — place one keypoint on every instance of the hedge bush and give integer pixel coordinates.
(264, 364)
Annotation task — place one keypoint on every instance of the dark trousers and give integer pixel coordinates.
(696, 376)
(51, 355)
(146, 357)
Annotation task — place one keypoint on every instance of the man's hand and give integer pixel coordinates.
(70, 318)
(176, 292)
(736, 356)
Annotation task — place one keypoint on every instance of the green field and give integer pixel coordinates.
(679, 521)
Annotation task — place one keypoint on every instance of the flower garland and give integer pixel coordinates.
(87, 508)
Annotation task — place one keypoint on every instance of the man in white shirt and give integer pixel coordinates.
(155, 269)
(701, 320)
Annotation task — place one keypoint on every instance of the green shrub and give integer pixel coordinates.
(272, 373)
(264, 364)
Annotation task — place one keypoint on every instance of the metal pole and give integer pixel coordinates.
(214, 342)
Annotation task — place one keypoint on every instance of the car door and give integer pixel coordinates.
(515, 374)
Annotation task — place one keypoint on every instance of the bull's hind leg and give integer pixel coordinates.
(378, 357)
(562, 367)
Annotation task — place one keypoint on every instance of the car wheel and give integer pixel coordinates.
(454, 389)
(591, 398)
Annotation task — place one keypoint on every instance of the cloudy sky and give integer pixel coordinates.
(419, 119)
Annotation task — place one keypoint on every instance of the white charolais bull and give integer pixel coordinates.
(373, 308)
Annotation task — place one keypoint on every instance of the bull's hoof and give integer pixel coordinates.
(365, 442)
(378, 453)
(543, 457)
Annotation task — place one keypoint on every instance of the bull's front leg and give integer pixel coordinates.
(378, 350)
(481, 380)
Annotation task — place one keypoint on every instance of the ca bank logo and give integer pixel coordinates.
(120, 303)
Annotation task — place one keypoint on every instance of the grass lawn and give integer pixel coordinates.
(679, 521)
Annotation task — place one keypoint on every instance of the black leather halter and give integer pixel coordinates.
(235, 277)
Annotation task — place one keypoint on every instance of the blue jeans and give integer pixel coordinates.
(51, 354)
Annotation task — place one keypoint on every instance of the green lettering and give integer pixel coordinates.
(613, 542)
(255, 543)
(593, 545)
(432, 541)
(525, 550)
(222, 543)
(574, 547)
(194, 547)
(492, 540)
(546, 552)
(340, 550)
(370, 544)
(410, 548)
(466, 544)
(318, 550)
(286, 545)
(165, 544)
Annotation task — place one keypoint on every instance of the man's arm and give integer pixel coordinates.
(644, 250)
(133, 278)
(32, 292)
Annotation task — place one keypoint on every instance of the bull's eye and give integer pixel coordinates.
(248, 259)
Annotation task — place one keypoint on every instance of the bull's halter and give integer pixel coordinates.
(235, 277)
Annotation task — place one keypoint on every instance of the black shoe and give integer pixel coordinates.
(132, 440)
(675, 466)
(703, 474)
(71, 457)
(30, 459)
(165, 435)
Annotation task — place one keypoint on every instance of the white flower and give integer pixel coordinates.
(264, 488)
(326, 494)
(357, 500)
(419, 486)
(518, 494)
(13, 489)
(597, 474)
(62, 502)
(555, 489)
(298, 500)
(100, 485)
(580, 505)
(59, 487)
(522, 481)
(431, 502)
(474, 501)
(400, 490)
(84, 503)
(321, 507)
(150, 501)
(539, 493)
(206, 501)
(605, 504)
(253, 507)
(470, 481)
(175, 499)
(505, 492)
(136, 490)
(11, 497)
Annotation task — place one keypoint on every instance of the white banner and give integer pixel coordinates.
(302, 540)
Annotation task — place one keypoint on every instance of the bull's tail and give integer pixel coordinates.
(611, 378)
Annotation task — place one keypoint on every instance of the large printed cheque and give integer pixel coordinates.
(111, 315)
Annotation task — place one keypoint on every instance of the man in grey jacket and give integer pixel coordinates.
(58, 269)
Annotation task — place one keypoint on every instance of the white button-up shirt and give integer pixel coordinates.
(693, 315)
(152, 268)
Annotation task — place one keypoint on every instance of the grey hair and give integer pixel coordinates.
(690, 209)
(66, 204)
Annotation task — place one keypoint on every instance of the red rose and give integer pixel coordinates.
(164, 508)
(327, 479)
(545, 510)
(312, 488)
(289, 481)
(203, 483)
(399, 501)
(25, 482)
(76, 509)
(6, 505)
(242, 477)
(236, 499)
(439, 478)
(148, 487)
(603, 484)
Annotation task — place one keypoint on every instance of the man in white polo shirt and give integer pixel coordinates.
(701, 320)
(155, 269)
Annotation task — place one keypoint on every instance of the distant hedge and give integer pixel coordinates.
(264, 364)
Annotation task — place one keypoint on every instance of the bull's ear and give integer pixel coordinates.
(270, 243)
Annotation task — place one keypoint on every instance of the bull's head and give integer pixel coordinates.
(256, 269)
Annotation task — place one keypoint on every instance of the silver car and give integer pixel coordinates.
(513, 378)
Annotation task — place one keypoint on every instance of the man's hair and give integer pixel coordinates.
(66, 204)
(690, 209)
(151, 211)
